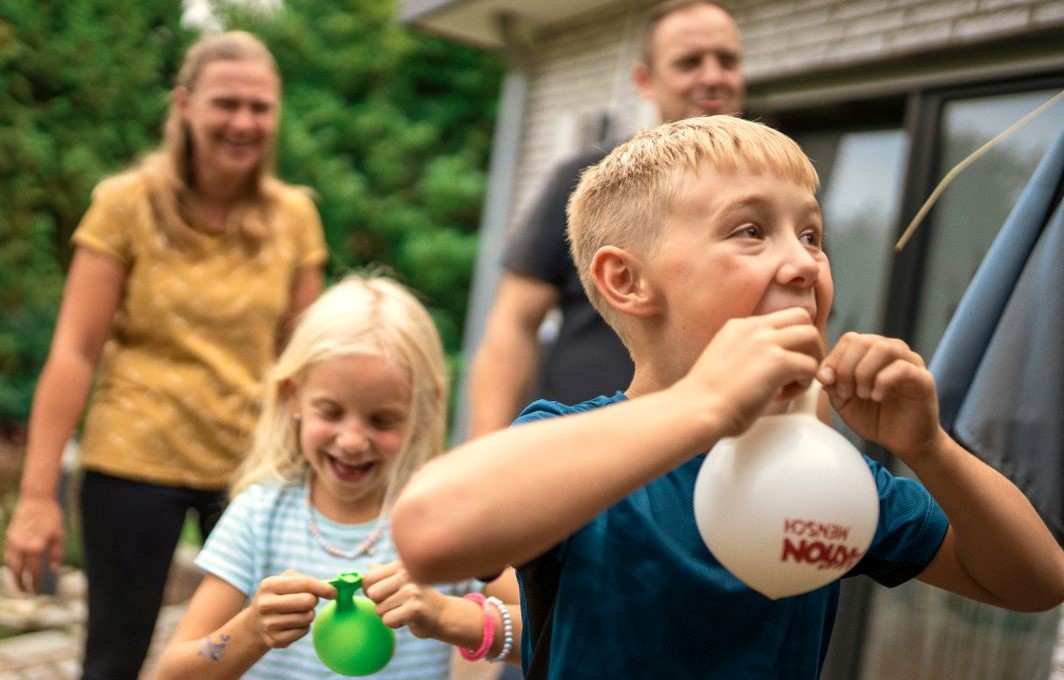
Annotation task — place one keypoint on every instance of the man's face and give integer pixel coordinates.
(696, 63)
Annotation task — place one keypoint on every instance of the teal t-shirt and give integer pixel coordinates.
(639, 595)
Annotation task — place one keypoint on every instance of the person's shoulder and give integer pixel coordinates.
(126, 185)
(267, 493)
(291, 195)
(588, 155)
(542, 409)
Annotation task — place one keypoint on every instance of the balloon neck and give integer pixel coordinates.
(346, 584)
(806, 403)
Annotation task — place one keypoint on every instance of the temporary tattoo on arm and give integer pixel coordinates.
(213, 650)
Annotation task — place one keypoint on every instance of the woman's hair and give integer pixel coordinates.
(169, 170)
(625, 198)
(359, 315)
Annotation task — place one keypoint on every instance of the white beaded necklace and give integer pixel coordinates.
(364, 548)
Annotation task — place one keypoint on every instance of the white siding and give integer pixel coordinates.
(581, 70)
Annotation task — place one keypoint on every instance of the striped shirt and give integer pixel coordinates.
(264, 531)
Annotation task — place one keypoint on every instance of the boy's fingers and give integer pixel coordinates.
(879, 354)
(841, 363)
(900, 377)
(854, 365)
(788, 317)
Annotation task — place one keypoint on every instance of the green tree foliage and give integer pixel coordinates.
(82, 91)
(392, 129)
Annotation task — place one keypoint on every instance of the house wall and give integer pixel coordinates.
(580, 71)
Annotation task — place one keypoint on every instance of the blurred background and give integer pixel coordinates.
(426, 127)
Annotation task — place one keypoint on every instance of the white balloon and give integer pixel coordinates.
(788, 506)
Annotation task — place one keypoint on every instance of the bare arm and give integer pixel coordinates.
(220, 637)
(505, 362)
(430, 614)
(997, 549)
(306, 287)
(506, 589)
(589, 461)
(92, 293)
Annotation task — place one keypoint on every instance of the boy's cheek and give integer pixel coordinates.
(825, 295)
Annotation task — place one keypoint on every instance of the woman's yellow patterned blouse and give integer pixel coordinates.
(179, 382)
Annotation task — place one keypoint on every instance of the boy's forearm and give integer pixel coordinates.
(1000, 541)
(526, 488)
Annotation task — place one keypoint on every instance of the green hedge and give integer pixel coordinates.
(390, 127)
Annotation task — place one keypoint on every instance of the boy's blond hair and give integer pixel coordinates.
(360, 315)
(624, 199)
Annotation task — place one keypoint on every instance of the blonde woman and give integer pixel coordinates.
(187, 270)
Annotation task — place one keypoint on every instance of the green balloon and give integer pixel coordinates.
(349, 637)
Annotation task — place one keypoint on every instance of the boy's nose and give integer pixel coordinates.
(799, 266)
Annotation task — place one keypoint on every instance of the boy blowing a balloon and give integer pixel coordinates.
(700, 242)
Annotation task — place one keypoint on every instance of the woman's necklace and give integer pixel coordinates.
(364, 548)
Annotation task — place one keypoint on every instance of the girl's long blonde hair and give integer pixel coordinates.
(169, 169)
(361, 314)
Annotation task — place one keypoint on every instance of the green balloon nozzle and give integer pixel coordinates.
(349, 636)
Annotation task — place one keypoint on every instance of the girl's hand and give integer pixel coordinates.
(283, 607)
(884, 392)
(402, 602)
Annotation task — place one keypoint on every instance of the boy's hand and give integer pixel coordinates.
(752, 360)
(883, 391)
(402, 602)
(283, 608)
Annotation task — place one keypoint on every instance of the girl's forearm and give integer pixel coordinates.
(226, 653)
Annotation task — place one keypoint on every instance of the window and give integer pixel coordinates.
(878, 162)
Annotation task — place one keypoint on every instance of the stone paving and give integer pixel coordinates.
(51, 650)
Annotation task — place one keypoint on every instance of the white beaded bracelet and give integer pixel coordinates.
(507, 629)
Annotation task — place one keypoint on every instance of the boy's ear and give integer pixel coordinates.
(618, 276)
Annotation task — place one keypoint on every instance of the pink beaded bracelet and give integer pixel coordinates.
(489, 631)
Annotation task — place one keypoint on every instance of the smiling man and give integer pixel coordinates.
(690, 58)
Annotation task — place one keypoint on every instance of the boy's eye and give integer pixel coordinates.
(812, 238)
(748, 231)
